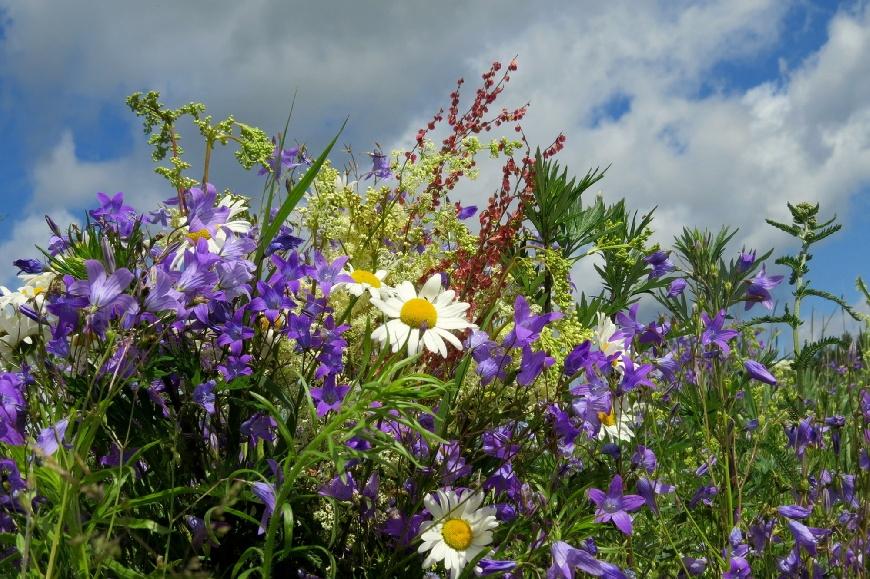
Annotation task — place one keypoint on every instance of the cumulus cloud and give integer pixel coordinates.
(61, 180)
(26, 236)
(632, 85)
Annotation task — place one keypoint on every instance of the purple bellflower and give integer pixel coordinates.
(29, 266)
(745, 261)
(614, 506)
(567, 560)
(466, 212)
(266, 493)
(12, 407)
(203, 213)
(759, 289)
(714, 334)
(329, 396)
(380, 166)
(50, 439)
(105, 293)
(204, 396)
(328, 274)
(676, 287)
(527, 328)
(287, 158)
(661, 263)
(757, 371)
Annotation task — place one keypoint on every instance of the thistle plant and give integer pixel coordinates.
(808, 231)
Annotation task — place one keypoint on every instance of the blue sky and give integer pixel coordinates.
(714, 112)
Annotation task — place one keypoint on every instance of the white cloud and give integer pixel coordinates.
(729, 157)
(62, 181)
(27, 234)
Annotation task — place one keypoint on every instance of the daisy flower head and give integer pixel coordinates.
(366, 281)
(619, 422)
(424, 320)
(459, 530)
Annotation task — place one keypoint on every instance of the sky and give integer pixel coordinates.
(713, 112)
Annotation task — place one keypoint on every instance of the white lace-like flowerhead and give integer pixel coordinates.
(424, 320)
(459, 530)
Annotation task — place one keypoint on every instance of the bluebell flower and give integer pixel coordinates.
(757, 371)
(661, 263)
(329, 396)
(380, 166)
(266, 493)
(614, 506)
(676, 287)
(714, 334)
(759, 289)
(745, 261)
(204, 396)
(29, 266)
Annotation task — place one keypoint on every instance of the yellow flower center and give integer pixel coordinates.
(418, 310)
(197, 235)
(607, 419)
(457, 534)
(363, 276)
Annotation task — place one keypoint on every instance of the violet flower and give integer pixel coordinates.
(203, 213)
(266, 493)
(567, 560)
(533, 363)
(757, 371)
(12, 407)
(327, 274)
(380, 166)
(714, 334)
(649, 488)
(661, 264)
(329, 396)
(486, 567)
(29, 266)
(527, 328)
(739, 569)
(676, 287)
(745, 261)
(341, 488)
(759, 289)
(50, 439)
(615, 507)
(280, 158)
(105, 293)
(204, 396)
(466, 212)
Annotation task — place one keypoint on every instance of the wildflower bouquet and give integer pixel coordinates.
(354, 383)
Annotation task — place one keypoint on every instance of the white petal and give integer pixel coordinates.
(431, 288)
(405, 291)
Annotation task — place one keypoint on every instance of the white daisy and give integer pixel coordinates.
(606, 343)
(619, 423)
(459, 529)
(422, 320)
(366, 281)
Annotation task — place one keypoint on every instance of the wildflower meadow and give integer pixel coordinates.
(350, 372)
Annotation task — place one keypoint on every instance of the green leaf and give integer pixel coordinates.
(293, 197)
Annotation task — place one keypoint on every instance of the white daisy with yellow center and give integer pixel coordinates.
(459, 530)
(619, 422)
(603, 336)
(366, 281)
(424, 320)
